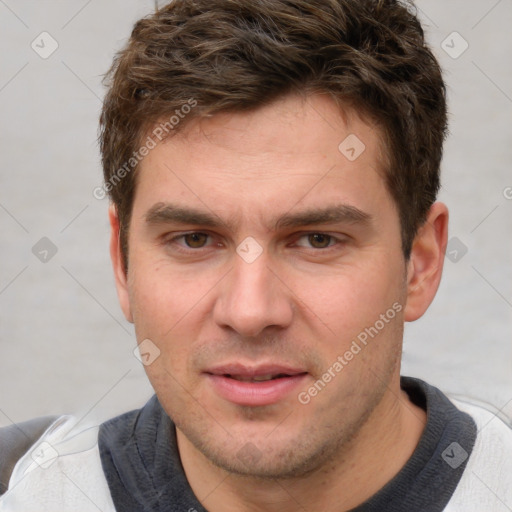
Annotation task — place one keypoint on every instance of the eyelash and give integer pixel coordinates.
(333, 241)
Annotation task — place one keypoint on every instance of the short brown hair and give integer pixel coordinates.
(235, 55)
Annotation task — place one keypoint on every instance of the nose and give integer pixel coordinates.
(253, 298)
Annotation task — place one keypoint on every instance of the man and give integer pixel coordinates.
(273, 168)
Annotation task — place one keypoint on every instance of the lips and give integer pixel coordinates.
(254, 385)
(256, 373)
(257, 378)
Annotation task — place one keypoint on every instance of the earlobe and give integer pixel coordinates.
(425, 265)
(120, 275)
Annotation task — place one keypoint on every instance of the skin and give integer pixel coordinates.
(302, 302)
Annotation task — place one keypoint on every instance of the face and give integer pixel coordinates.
(265, 268)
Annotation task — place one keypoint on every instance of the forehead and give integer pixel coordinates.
(293, 123)
(295, 150)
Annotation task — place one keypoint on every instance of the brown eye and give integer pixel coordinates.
(319, 240)
(195, 240)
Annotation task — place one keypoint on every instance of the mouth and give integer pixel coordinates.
(255, 386)
(258, 378)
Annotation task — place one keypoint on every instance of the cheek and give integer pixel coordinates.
(162, 297)
(165, 315)
(170, 308)
(351, 299)
(360, 319)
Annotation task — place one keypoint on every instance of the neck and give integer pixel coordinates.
(375, 455)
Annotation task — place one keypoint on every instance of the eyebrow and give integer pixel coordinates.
(167, 213)
(336, 214)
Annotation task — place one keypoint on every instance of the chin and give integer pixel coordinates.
(264, 454)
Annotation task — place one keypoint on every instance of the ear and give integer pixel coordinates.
(116, 256)
(425, 265)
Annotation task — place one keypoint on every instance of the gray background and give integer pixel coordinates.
(64, 344)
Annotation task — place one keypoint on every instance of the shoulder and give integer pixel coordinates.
(61, 466)
(15, 440)
(487, 480)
